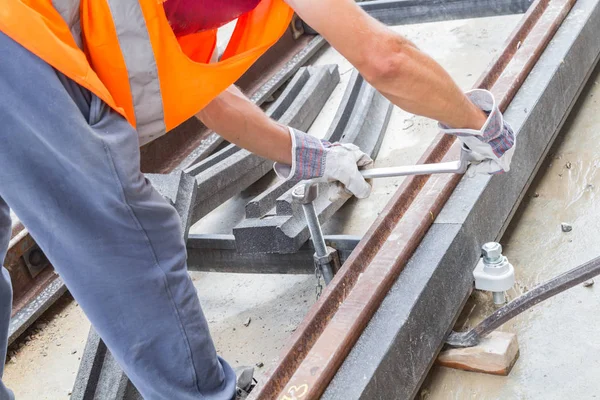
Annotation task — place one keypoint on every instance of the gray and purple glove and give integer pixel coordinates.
(319, 160)
(491, 148)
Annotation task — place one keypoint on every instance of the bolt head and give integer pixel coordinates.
(36, 257)
(491, 250)
(299, 191)
(305, 193)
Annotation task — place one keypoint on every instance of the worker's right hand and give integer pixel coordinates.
(491, 148)
(320, 160)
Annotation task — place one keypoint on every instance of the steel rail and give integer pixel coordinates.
(335, 322)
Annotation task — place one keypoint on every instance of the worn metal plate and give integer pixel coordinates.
(218, 253)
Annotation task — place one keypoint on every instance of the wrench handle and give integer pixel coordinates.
(452, 167)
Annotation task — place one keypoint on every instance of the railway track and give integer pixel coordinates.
(35, 284)
(334, 324)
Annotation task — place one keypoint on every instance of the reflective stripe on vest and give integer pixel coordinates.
(139, 59)
(141, 68)
(69, 11)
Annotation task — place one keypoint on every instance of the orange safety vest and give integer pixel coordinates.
(132, 60)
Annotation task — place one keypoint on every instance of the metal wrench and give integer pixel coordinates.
(326, 258)
(452, 167)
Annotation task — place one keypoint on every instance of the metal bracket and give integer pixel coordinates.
(331, 259)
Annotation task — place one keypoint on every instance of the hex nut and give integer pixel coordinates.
(491, 250)
(305, 193)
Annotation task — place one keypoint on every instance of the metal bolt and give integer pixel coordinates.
(499, 298)
(36, 258)
(305, 194)
(492, 253)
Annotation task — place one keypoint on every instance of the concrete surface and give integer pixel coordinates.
(275, 304)
(45, 360)
(559, 337)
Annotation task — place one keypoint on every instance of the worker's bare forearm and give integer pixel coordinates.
(393, 65)
(239, 121)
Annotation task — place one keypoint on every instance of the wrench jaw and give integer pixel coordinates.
(462, 339)
(466, 157)
(305, 193)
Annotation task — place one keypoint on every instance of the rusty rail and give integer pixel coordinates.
(334, 323)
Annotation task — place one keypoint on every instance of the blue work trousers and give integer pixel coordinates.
(70, 170)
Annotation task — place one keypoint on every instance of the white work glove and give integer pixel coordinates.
(319, 160)
(491, 148)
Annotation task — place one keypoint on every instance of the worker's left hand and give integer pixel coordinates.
(490, 148)
(313, 158)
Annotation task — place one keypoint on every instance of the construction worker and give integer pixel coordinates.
(84, 82)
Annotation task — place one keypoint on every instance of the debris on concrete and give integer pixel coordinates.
(260, 364)
(248, 320)
(408, 123)
(566, 227)
(568, 165)
(588, 283)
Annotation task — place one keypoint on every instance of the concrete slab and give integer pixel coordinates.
(179, 188)
(218, 253)
(558, 337)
